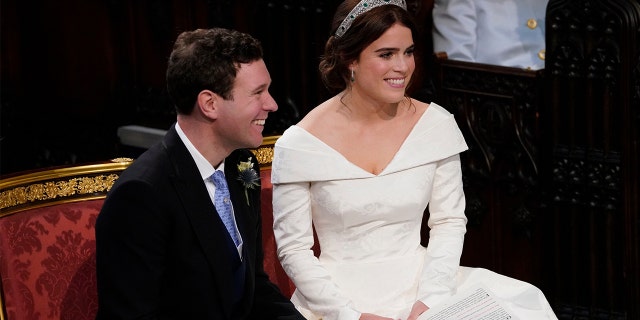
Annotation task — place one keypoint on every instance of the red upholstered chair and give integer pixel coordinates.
(47, 240)
(272, 266)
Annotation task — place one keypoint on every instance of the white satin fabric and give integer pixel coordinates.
(368, 226)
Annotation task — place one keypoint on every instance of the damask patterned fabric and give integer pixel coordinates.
(47, 262)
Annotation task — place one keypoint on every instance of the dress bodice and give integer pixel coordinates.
(368, 226)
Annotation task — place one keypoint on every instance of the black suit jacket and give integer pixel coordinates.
(162, 249)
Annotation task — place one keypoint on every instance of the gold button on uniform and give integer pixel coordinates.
(532, 23)
(541, 54)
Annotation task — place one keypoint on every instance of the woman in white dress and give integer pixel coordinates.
(361, 168)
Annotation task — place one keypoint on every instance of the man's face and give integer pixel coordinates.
(243, 116)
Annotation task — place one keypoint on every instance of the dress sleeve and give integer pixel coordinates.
(454, 28)
(293, 232)
(447, 223)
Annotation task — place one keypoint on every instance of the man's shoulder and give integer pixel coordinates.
(149, 166)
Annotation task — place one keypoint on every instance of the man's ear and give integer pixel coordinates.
(208, 103)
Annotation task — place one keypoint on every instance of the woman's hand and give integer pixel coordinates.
(369, 316)
(417, 309)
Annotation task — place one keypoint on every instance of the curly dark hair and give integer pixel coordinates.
(207, 59)
(365, 29)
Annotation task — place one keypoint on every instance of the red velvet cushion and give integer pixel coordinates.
(271, 263)
(47, 262)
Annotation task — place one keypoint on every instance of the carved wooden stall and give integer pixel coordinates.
(497, 110)
(590, 162)
(551, 175)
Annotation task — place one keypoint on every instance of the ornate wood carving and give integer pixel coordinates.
(497, 109)
(590, 168)
(59, 185)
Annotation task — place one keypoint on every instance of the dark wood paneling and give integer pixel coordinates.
(551, 174)
(497, 110)
(592, 119)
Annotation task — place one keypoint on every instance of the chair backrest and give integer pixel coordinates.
(47, 240)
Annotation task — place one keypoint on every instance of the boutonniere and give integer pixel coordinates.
(248, 176)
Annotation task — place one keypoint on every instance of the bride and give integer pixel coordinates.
(360, 169)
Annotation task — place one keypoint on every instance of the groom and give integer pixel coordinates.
(168, 246)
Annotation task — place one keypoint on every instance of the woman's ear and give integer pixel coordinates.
(352, 71)
(208, 102)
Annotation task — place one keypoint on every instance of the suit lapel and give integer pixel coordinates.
(240, 208)
(244, 213)
(206, 224)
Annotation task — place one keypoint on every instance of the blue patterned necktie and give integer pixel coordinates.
(222, 201)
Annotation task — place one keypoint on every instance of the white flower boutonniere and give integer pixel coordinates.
(248, 176)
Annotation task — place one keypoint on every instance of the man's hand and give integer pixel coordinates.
(417, 309)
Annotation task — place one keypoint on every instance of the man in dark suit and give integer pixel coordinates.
(163, 250)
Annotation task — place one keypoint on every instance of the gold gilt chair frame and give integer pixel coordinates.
(264, 153)
(54, 186)
(77, 183)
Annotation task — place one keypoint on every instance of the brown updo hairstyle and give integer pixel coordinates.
(365, 29)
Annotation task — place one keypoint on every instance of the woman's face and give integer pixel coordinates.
(384, 68)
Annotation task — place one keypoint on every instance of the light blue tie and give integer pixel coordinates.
(222, 201)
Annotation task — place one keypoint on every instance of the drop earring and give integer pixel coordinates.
(353, 76)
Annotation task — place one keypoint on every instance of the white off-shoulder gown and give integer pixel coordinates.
(368, 227)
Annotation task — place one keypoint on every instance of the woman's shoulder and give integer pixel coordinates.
(436, 110)
(430, 112)
(419, 106)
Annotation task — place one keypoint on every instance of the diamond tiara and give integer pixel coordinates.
(362, 7)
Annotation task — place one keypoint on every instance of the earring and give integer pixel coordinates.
(353, 76)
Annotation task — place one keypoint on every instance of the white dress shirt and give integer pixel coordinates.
(206, 169)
